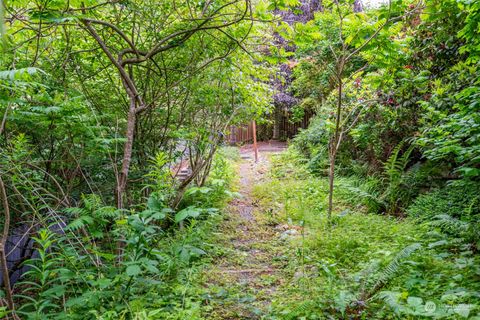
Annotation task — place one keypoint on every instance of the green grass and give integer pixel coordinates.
(325, 268)
(333, 264)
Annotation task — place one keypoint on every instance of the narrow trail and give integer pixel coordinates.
(247, 276)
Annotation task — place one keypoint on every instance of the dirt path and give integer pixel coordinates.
(244, 281)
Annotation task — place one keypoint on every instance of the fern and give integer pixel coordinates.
(393, 267)
(469, 231)
(300, 310)
(394, 177)
(389, 192)
(91, 201)
(367, 192)
(79, 223)
(392, 167)
(396, 163)
(92, 217)
(160, 179)
(391, 298)
(75, 211)
(449, 223)
(106, 212)
(367, 195)
(369, 286)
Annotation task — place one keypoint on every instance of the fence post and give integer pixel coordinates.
(255, 147)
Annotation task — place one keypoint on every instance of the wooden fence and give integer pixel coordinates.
(241, 134)
(287, 129)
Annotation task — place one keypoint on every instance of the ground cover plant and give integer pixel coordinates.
(364, 265)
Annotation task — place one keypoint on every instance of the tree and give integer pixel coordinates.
(135, 50)
(347, 34)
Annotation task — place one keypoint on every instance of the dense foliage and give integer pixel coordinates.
(114, 175)
(112, 115)
(362, 265)
(409, 115)
(416, 95)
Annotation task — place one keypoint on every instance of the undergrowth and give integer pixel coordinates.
(159, 276)
(363, 265)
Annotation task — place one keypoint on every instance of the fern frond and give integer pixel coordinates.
(363, 194)
(449, 223)
(300, 309)
(368, 194)
(91, 201)
(391, 165)
(391, 298)
(79, 223)
(389, 271)
(75, 211)
(396, 164)
(106, 212)
(403, 162)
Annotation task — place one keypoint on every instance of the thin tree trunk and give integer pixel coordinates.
(206, 173)
(331, 175)
(335, 143)
(4, 119)
(255, 147)
(127, 154)
(200, 165)
(127, 159)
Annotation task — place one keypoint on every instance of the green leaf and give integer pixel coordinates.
(20, 74)
(133, 270)
(154, 203)
(469, 172)
(463, 309)
(189, 212)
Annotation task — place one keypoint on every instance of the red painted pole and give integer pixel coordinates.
(255, 147)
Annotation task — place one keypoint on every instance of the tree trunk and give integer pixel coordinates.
(331, 176)
(127, 154)
(335, 143)
(255, 147)
(127, 159)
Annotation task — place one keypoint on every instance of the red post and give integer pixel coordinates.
(255, 147)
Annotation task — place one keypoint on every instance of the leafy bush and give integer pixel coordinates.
(451, 125)
(307, 141)
(216, 190)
